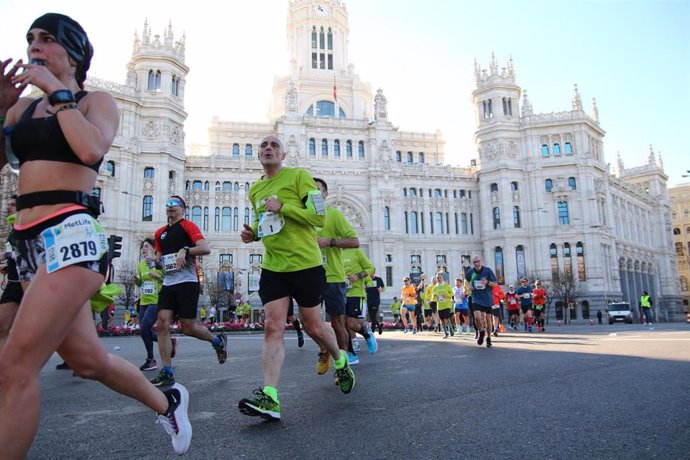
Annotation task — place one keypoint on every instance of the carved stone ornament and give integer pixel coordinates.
(151, 130)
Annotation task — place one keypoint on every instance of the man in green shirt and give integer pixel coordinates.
(336, 234)
(443, 294)
(358, 269)
(287, 208)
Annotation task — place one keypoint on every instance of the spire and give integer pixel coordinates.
(661, 162)
(477, 72)
(168, 36)
(511, 70)
(595, 110)
(652, 157)
(493, 66)
(577, 101)
(619, 160)
(146, 33)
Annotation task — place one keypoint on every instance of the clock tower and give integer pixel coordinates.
(320, 82)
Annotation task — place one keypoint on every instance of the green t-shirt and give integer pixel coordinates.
(395, 307)
(355, 261)
(444, 296)
(149, 287)
(294, 246)
(337, 227)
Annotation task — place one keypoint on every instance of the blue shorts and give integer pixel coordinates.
(409, 307)
(461, 307)
(334, 298)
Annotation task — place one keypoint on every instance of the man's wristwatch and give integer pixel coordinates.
(332, 243)
(186, 249)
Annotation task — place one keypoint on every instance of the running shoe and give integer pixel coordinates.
(405, 331)
(261, 405)
(324, 363)
(380, 328)
(488, 342)
(352, 359)
(372, 346)
(300, 338)
(149, 365)
(175, 420)
(63, 366)
(345, 378)
(446, 336)
(355, 345)
(173, 350)
(480, 340)
(221, 348)
(414, 331)
(163, 379)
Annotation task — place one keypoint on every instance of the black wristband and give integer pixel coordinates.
(61, 96)
(332, 243)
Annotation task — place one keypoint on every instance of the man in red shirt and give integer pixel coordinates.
(539, 300)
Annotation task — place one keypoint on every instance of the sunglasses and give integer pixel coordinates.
(171, 203)
(407, 281)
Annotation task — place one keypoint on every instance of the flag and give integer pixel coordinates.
(335, 93)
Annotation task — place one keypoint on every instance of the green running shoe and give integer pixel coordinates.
(261, 405)
(345, 378)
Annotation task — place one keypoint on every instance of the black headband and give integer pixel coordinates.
(68, 33)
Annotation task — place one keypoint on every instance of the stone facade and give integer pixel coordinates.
(680, 220)
(537, 198)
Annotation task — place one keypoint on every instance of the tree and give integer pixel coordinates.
(564, 288)
(126, 281)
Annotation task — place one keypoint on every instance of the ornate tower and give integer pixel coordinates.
(321, 82)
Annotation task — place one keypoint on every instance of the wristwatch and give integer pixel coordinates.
(332, 243)
(61, 96)
(186, 249)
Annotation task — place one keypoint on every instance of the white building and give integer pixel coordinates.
(538, 199)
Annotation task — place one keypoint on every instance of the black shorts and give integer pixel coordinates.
(496, 311)
(12, 293)
(354, 307)
(434, 306)
(428, 312)
(538, 311)
(444, 313)
(334, 298)
(181, 298)
(525, 309)
(483, 309)
(305, 286)
(513, 312)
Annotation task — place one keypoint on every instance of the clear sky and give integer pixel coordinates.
(632, 56)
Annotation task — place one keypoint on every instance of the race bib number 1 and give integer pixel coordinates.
(270, 223)
(79, 238)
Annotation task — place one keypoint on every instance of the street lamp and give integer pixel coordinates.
(688, 173)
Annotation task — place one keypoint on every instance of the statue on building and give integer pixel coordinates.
(291, 99)
(577, 101)
(380, 106)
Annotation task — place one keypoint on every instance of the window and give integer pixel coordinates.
(513, 186)
(493, 187)
(548, 185)
(463, 223)
(225, 259)
(415, 259)
(248, 151)
(235, 150)
(110, 168)
(246, 216)
(683, 283)
(555, 271)
(196, 215)
(516, 216)
(348, 149)
(437, 193)
(488, 110)
(227, 186)
(497, 218)
(498, 265)
(413, 192)
(175, 88)
(410, 159)
(507, 106)
(147, 209)
(556, 149)
(676, 231)
(563, 217)
(360, 149)
(236, 187)
(580, 253)
(398, 156)
(421, 158)
(414, 228)
(336, 148)
(566, 250)
(235, 219)
(154, 80)
(462, 193)
(568, 148)
(227, 215)
(438, 221)
(197, 185)
(312, 147)
(679, 249)
(389, 276)
(572, 183)
(386, 218)
(216, 220)
(206, 186)
(205, 228)
(520, 261)
(544, 150)
(324, 148)
(255, 258)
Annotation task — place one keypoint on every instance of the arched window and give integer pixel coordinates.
(246, 187)
(421, 158)
(493, 187)
(227, 216)
(360, 149)
(497, 218)
(248, 151)
(683, 283)
(386, 218)
(556, 149)
(520, 261)
(110, 168)
(413, 192)
(197, 185)
(348, 149)
(544, 150)
(235, 150)
(196, 215)
(324, 148)
(498, 265)
(206, 186)
(676, 231)
(563, 216)
(463, 223)
(398, 156)
(236, 187)
(437, 193)
(147, 209)
(336, 148)
(568, 148)
(205, 219)
(514, 186)
(154, 80)
(572, 183)
(216, 220)
(438, 222)
(312, 147)
(246, 216)
(580, 254)
(409, 158)
(175, 87)
(414, 228)
(235, 219)
(548, 185)
(516, 217)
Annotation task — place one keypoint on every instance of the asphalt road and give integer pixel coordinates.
(620, 391)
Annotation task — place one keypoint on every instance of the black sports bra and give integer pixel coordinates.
(42, 138)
